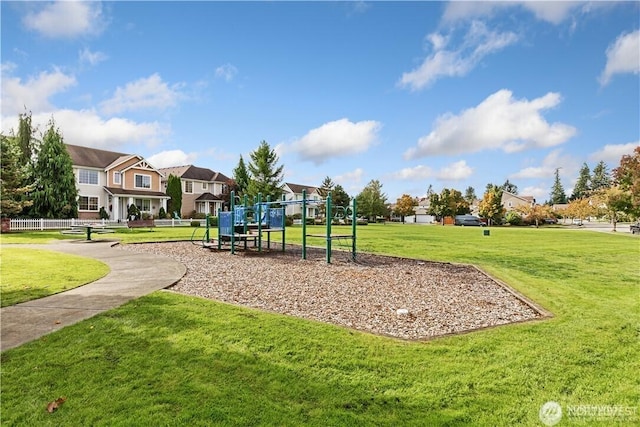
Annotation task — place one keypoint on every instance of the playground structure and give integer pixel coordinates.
(248, 222)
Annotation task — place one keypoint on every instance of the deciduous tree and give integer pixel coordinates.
(615, 201)
(627, 176)
(405, 206)
(491, 205)
(372, 202)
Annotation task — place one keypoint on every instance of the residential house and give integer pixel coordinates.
(201, 189)
(114, 181)
(421, 216)
(511, 201)
(293, 192)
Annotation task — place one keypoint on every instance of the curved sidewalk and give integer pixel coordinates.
(132, 275)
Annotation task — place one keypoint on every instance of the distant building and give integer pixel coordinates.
(114, 181)
(511, 201)
(201, 188)
(294, 192)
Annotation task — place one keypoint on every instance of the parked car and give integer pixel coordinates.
(550, 220)
(635, 228)
(468, 220)
(577, 221)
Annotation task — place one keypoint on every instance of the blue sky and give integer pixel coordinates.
(448, 94)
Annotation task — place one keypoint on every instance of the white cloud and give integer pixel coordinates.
(498, 122)
(547, 169)
(34, 93)
(338, 138)
(612, 153)
(351, 181)
(91, 58)
(623, 56)
(144, 93)
(540, 193)
(455, 172)
(553, 12)
(416, 173)
(226, 72)
(86, 127)
(478, 43)
(165, 159)
(66, 19)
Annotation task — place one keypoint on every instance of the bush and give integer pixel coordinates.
(288, 221)
(146, 215)
(103, 213)
(162, 214)
(213, 221)
(195, 223)
(513, 218)
(133, 212)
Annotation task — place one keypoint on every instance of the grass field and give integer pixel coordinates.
(27, 274)
(168, 359)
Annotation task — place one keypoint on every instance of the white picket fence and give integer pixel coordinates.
(61, 224)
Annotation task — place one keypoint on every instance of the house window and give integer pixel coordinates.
(87, 176)
(143, 204)
(204, 186)
(188, 186)
(143, 181)
(117, 177)
(88, 203)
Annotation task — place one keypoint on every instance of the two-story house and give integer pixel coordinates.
(294, 192)
(201, 188)
(114, 181)
(511, 201)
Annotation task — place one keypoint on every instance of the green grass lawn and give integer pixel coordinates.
(27, 274)
(168, 359)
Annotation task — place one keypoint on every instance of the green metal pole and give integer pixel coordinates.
(219, 229)
(353, 231)
(244, 219)
(206, 233)
(329, 220)
(233, 222)
(304, 224)
(259, 222)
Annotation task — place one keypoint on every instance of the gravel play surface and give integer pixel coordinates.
(403, 298)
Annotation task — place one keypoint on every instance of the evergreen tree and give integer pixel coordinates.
(55, 194)
(339, 197)
(600, 178)
(326, 186)
(581, 189)
(26, 139)
(174, 190)
(265, 174)
(470, 195)
(558, 195)
(241, 178)
(12, 177)
(429, 191)
(510, 187)
(372, 202)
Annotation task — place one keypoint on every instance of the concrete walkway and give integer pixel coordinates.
(132, 275)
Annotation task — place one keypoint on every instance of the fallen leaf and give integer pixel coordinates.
(52, 406)
(58, 322)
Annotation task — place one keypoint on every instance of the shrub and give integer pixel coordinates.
(213, 221)
(195, 223)
(288, 221)
(146, 215)
(162, 214)
(103, 213)
(513, 218)
(133, 212)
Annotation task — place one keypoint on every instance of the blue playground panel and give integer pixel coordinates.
(225, 223)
